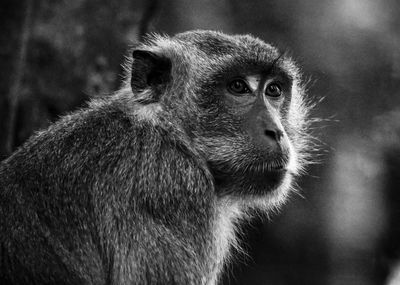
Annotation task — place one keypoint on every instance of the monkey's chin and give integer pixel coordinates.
(266, 182)
(253, 184)
(273, 178)
(270, 200)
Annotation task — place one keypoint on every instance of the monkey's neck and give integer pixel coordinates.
(226, 216)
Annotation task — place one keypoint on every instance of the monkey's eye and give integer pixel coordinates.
(238, 86)
(273, 90)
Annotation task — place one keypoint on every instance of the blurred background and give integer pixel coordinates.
(344, 228)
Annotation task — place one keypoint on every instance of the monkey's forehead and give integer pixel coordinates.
(202, 49)
(216, 43)
(238, 50)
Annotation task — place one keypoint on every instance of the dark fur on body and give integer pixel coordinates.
(144, 187)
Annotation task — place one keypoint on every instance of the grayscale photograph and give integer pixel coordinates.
(200, 142)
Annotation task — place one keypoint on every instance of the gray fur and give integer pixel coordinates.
(125, 192)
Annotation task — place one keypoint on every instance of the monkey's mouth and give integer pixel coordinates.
(254, 178)
(265, 173)
(278, 164)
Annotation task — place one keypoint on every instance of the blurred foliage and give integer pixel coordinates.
(346, 229)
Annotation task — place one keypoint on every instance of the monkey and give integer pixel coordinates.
(146, 186)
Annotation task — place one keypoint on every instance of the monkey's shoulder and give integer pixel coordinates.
(103, 140)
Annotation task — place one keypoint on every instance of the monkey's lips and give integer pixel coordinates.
(275, 176)
(274, 171)
(258, 177)
(278, 164)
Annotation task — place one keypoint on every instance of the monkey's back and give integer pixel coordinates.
(93, 199)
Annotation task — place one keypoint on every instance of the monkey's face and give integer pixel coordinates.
(239, 100)
(246, 133)
(247, 146)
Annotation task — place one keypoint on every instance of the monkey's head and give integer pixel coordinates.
(237, 98)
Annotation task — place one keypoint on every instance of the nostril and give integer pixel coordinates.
(275, 135)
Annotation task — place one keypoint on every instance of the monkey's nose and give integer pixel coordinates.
(274, 134)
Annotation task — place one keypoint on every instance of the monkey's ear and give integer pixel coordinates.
(149, 70)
